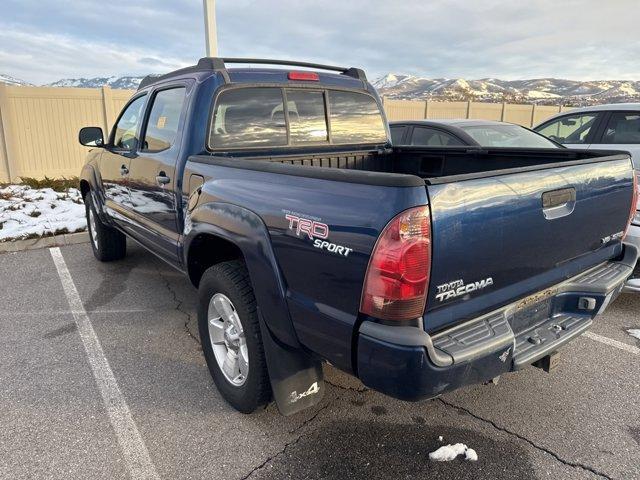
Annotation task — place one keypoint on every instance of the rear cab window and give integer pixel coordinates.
(355, 118)
(307, 116)
(249, 117)
(253, 117)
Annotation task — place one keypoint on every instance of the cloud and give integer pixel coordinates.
(577, 39)
(47, 57)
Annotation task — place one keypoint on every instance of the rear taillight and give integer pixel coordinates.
(397, 279)
(634, 203)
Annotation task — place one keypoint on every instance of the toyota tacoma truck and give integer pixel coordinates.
(276, 190)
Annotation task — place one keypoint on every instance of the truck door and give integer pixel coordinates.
(152, 177)
(116, 158)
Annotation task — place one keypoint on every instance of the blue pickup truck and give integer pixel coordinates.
(312, 239)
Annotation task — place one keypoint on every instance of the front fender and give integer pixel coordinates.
(89, 173)
(248, 232)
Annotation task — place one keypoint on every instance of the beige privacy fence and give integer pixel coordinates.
(527, 115)
(39, 125)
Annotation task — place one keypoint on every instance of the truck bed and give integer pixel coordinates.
(431, 164)
(494, 220)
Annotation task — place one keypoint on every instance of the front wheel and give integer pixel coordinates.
(230, 336)
(107, 243)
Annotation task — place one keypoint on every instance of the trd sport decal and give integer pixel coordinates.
(315, 230)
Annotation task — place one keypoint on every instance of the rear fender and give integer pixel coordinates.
(294, 374)
(248, 232)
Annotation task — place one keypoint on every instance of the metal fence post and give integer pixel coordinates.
(533, 115)
(503, 114)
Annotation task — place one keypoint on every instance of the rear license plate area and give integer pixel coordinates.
(530, 316)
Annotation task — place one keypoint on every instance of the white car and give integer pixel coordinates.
(610, 127)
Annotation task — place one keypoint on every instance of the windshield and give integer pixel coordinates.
(507, 135)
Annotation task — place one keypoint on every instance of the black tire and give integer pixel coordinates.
(232, 280)
(107, 243)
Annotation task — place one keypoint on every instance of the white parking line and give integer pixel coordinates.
(133, 448)
(613, 343)
(62, 312)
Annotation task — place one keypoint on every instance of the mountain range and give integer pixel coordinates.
(550, 91)
(13, 81)
(545, 91)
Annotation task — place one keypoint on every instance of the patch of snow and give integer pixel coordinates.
(471, 455)
(541, 94)
(390, 80)
(446, 453)
(26, 212)
(12, 80)
(634, 332)
(127, 82)
(440, 439)
(462, 83)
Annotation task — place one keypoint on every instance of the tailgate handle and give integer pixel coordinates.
(558, 203)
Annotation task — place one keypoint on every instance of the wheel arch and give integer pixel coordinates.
(217, 232)
(207, 249)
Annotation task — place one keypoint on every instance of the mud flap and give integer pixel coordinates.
(296, 378)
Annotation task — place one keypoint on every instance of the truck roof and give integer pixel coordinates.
(207, 66)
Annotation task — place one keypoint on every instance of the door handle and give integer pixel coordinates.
(162, 178)
(124, 170)
(558, 203)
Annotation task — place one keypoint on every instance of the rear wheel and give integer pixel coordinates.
(230, 336)
(107, 243)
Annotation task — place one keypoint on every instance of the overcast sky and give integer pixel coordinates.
(43, 41)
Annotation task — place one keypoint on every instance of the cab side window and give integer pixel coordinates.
(571, 129)
(126, 130)
(622, 127)
(162, 126)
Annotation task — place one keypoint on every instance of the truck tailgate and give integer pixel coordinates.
(497, 238)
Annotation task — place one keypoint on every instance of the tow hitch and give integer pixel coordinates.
(548, 363)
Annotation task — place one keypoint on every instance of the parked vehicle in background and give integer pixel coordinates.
(310, 239)
(614, 126)
(458, 132)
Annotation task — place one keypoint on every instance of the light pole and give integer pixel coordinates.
(210, 28)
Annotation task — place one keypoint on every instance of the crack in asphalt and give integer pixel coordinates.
(525, 439)
(179, 303)
(351, 389)
(288, 444)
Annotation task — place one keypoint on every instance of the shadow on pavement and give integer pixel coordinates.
(366, 450)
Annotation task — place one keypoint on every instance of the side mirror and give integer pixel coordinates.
(91, 137)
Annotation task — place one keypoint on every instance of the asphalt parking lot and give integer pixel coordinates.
(581, 421)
